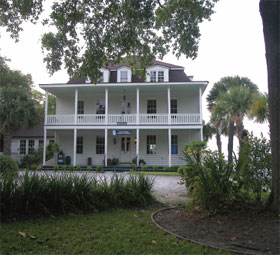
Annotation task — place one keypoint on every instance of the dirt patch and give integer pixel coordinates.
(244, 232)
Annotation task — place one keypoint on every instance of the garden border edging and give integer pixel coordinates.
(184, 238)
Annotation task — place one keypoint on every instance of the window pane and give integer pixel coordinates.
(128, 144)
(41, 144)
(80, 145)
(123, 76)
(80, 107)
(151, 106)
(153, 75)
(160, 76)
(173, 104)
(100, 107)
(31, 148)
(123, 144)
(174, 144)
(100, 141)
(22, 147)
(151, 144)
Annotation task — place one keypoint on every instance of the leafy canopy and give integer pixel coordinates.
(90, 34)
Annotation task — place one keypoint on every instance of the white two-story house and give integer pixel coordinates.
(126, 116)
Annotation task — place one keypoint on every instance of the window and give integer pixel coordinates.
(80, 107)
(125, 144)
(153, 76)
(173, 105)
(51, 141)
(157, 76)
(100, 107)
(41, 144)
(100, 141)
(22, 147)
(160, 76)
(151, 106)
(31, 146)
(80, 145)
(151, 144)
(124, 77)
(174, 144)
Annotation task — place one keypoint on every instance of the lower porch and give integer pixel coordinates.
(119, 148)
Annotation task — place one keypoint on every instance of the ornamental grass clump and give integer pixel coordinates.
(62, 193)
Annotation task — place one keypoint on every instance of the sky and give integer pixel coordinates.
(231, 44)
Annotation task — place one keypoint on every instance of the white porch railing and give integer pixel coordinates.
(128, 119)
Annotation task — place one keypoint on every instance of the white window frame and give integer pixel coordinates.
(22, 154)
(124, 76)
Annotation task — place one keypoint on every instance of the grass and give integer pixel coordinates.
(112, 232)
(155, 173)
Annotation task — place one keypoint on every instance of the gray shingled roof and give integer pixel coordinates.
(35, 132)
(174, 75)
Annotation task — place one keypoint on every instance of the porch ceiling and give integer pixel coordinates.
(58, 91)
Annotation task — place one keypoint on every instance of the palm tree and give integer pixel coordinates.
(219, 114)
(259, 108)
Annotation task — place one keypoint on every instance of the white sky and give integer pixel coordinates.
(231, 44)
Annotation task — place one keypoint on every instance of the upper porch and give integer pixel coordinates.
(120, 105)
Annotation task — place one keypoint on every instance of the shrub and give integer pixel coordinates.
(78, 168)
(133, 167)
(64, 193)
(71, 168)
(64, 168)
(99, 169)
(175, 168)
(115, 161)
(8, 166)
(28, 160)
(52, 148)
(55, 168)
(253, 167)
(181, 170)
(155, 168)
(141, 161)
(89, 168)
(166, 168)
(33, 167)
(145, 167)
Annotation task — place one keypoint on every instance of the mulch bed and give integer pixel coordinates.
(248, 232)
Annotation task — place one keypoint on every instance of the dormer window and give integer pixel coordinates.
(153, 76)
(160, 76)
(157, 74)
(124, 76)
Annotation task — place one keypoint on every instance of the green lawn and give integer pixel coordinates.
(155, 173)
(114, 232)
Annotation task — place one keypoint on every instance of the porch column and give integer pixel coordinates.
(75, 147)
(45, 146)
(137, 147)
(76, 105)
(137, 106)
(169, 147)
(169, 106)
(106, 106)
(105, 146)
(201, 133)
(200, 104)
(46, 107)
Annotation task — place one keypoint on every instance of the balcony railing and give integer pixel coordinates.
(124, 119)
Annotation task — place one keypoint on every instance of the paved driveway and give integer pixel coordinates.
(166, 188)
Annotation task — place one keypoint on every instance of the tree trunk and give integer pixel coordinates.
(270, 14)
(219, 142)
(7, 137)
(230, 140)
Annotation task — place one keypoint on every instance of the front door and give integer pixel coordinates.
(125, 149)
